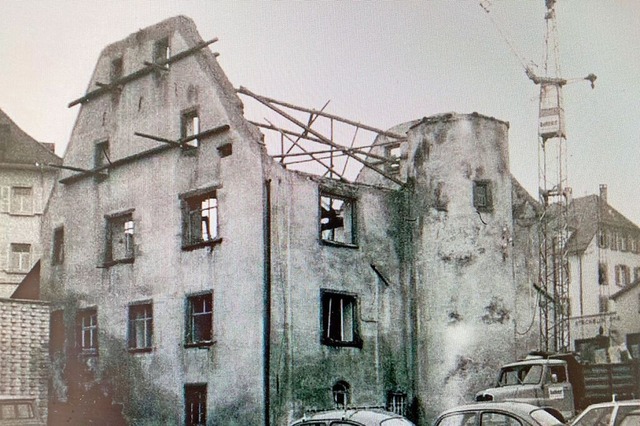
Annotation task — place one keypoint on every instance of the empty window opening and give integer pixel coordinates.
(339, 319)
(117, 69)
(337, 222)
(199, 325)
(341, 394)
(21, 200)
(190, 128)
(225, 150)
(20, 257)
(397, 402)
(88, 330)
(195, 403)
(57, 256)
(200, 219)
(392, 153)
(482, 197)
(101, 154)
(141, 326)
(161, 51)
(120, 238)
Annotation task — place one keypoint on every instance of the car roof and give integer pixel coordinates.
(612, 403)
(536, 361)
(519, 408)
(359, 415)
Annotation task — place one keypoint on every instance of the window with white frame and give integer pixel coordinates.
(20, 257)
(120, 238)
(195, 404)
(199, 320)
(87, 325)
(21, 200)
(339, 319)
(337, 219)
(397, 402)
(190, 126)
(200, 219)
(623, 275)
(140, 326)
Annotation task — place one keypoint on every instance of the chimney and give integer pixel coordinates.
(603, 193)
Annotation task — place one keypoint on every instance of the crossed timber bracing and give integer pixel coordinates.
(315, 149)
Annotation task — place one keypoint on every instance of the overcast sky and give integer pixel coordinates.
(379, 63)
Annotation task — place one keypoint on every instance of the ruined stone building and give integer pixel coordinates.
(204, 282)
(25, 185)
(604, 260)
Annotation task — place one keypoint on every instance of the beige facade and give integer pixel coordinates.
(604, 259)
(25, 185)
(204, 279)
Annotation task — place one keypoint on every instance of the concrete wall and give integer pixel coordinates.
(21, 228)
(24, 355)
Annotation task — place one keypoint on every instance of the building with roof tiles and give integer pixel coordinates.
(25, 186)
(604, 260)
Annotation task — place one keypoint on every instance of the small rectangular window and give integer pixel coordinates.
(397, 402)
(101, 154)
(117, 69)
(87, 325)
(339, 319)
(195, 404)
(636, 273)
(120, 238)
(161, 51)
(603, 304)
(602, 274)
(190, 128)
(623, 275)
(482, 197)
(392, 153)
(20, 257)
(141, 326)
(21, 200)
(57, 256)
(602, 238)
(200, 219)
(337, 219)
(199, 327)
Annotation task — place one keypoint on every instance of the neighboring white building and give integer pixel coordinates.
(24, 190)
(627, 306)
(604, 259)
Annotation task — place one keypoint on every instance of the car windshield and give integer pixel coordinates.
(520, 375)
(594, 417)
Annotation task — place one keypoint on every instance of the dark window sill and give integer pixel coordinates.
(201, 244)
(203, 345)
(338, 244)
(117, 261)
(356, 343)
(140, 350)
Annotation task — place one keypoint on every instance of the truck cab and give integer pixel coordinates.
(537, 381)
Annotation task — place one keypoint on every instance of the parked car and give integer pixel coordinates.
(497, 414)
(618, 413)
(19, 411)
(353, 417)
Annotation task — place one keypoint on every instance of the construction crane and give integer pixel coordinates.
(554, 192)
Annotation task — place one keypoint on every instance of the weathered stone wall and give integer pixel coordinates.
(24, 354)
